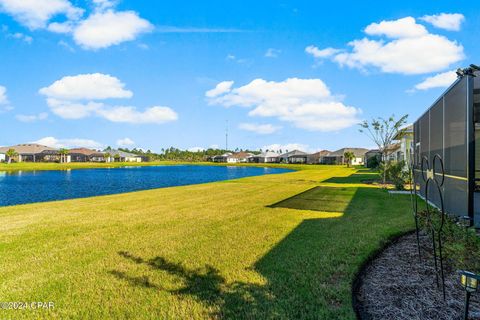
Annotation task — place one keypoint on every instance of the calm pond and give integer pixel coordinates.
(38, 186)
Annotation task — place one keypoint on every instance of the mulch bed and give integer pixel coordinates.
(397, 285)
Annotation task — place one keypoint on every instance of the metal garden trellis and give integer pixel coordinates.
(429, 176)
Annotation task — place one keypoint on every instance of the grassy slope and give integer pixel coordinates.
(201, 251)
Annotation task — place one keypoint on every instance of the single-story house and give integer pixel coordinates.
(337, 157)
(317, 157)
(239, 157)
(221, 158)
(32, 152)
(86, 155)
(122, 156)
(265, 157)
(295, 156)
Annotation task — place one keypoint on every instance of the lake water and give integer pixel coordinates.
(38, 186)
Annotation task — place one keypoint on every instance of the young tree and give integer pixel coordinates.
(348, 157)
(382, 131)
(107, 156)
(11, 153)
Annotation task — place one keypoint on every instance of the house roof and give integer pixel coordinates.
(240, 155)
(293, 153)
(407, 130)
(358, 152)
(84, 151)
(393, 147)
(268, 154)
(28, 148)
(121, 153)
(321, 153)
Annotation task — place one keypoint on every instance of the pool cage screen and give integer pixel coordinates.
(446, 129)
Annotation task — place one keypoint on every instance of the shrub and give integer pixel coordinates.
(395, 173)
(460, 246)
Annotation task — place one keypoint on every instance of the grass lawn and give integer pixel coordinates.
(276, 246)
(31, 166)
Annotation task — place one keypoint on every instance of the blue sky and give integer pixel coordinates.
(154, 74)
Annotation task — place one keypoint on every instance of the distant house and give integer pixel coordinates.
(317, 157)
(337, 157)
(239, 157)
(295, 156)
(265, 157)
(122, 156)
(221, 158)
(86, 155)
(32, 152)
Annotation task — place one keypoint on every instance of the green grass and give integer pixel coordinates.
(32, 166)
(216, 250)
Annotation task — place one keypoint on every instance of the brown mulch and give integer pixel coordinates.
(397, 285)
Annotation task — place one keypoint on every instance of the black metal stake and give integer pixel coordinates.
(467, 305)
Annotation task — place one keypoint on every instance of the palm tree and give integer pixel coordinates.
(11, 153)
(116, 158)
(107, 156)
(348, 157)
(63, 154)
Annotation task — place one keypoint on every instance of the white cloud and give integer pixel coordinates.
(447, 21)
(73, 110)
(125, 142)
(3, 96)
(441, 80)
(74, 97)
(32, 118)
(306, 103)
(286, 147)
(104, 29)
(408, 49)
(36, 13)
(396, 29)
(20, 36)
(155, 114)
(259, 128)
(61, 27)
(221, 88)
(69, 143)
(321, 53)
(87, 86)
(272, 53)
(196, 149)
(102, 5)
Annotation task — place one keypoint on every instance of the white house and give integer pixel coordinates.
(239, 157)
(265, 157)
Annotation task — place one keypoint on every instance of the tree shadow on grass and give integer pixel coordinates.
(308, 273)
(357, 178)
(206, 285)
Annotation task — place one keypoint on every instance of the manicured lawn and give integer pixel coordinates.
(246, 248)
(90, 165)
